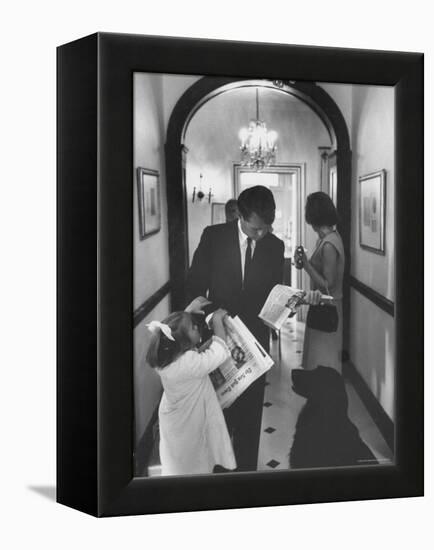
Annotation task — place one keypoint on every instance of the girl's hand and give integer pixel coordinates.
(197, 305)
(300, 258)
(218, 316)
(217, 324)
(313, 297)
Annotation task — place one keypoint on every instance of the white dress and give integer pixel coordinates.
(193, 433)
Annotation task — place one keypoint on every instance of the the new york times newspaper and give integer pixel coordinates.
(248, 361)
(281, 303)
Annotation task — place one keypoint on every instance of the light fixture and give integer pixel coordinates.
(258, 145)
(199, 195)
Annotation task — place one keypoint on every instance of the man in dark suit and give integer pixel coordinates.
(236, 265)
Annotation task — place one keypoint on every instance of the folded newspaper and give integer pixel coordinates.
(281, 303)
(248, 361)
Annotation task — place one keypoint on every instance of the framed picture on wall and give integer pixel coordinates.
(372, 209)
(113, 446)
(148, 195)
(218, 213)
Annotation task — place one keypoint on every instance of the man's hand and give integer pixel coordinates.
(197, 305)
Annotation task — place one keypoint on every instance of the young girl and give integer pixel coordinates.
(193, 434)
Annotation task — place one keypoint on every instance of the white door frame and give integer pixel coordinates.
(296, 169)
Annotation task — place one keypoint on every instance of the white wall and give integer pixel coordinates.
(373, 349)
(369, 114)
(149, 276)
(373, 149)
(149, 136)
(213, 144)
(373, 135)
(155, 96)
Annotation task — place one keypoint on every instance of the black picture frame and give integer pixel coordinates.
(148, 199)
(372, 211)
(95, 262)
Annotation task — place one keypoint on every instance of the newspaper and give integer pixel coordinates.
(282, 302)
(248, 362)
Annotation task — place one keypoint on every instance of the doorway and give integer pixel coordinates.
(287, 183)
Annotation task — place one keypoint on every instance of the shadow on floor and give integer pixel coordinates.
(45, 491)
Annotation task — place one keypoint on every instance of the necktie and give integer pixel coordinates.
(248, 260)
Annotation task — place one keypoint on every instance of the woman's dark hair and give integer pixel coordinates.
(162, 351)
(258, 200)
(320, 210)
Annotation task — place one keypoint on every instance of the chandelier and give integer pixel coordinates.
(258, 145)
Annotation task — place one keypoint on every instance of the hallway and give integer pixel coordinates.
(282, 406)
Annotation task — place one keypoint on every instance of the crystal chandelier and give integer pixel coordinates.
(258, 146)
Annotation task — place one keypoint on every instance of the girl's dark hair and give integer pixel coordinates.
(258, 200)
(162, 351)
(320, 210)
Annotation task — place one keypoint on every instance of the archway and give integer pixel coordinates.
(194, 97)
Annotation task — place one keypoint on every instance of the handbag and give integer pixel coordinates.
(323, 317)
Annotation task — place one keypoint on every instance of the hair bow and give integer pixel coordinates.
(165, 329)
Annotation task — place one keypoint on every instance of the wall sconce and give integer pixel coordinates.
(199, 195)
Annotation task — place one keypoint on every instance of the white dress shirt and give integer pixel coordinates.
(242, 237)
(243, 247)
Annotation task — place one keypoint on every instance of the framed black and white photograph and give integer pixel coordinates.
(148, 198)
(218, 214)
(205, 267)
(208, 391)
(372, 206)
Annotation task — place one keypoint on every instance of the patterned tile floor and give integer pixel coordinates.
(282, 405)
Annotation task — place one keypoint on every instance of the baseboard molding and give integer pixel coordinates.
(379, 416)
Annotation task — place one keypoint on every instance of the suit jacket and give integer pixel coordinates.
(215, 272)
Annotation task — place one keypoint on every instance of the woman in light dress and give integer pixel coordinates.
(326, 270)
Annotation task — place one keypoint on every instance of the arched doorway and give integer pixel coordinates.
(199, 93)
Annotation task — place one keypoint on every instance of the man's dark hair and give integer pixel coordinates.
(229, 205)
(258, 200)
(320, 210)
